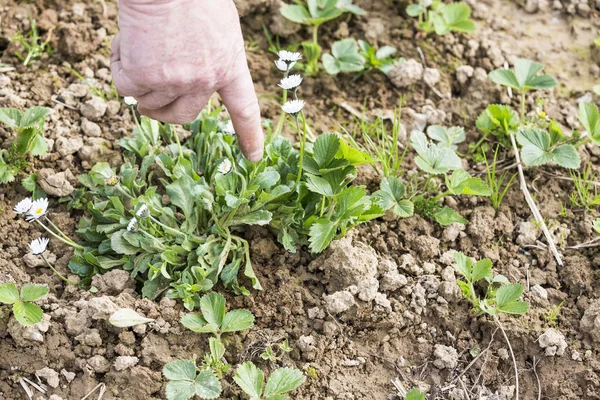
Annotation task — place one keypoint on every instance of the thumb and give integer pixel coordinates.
(240, 99)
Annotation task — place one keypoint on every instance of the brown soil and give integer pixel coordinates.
(417, 315)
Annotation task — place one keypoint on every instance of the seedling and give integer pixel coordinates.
(277, 353)
(186, 380)
(391, 195)
(381, 59)
(215, 320)
(587, 193)
(596, 225)
(25, 312)
(552, 316)
(30, 140)
(314, 13)
(282, 381)
(590, 119)
(500, 296)
(436, 16)
(33, 44)
(436, 155)
(344, 57)
(414, 394)
(30, 183)
(498, 184)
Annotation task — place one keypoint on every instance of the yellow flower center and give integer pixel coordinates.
(39, 211)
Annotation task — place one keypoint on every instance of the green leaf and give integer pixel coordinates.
(345, 57)
(33, 116)
(38, 145)
(515, 307)
(213, 308)
(508, 293)
(181, 194)
(325, 148)
(447, 137)
(390, 195)
(331, 65)
(457, 17)
(447, 216)
(414, 10)
(352, 155)
(180, 390)
(33, 291)
(250, 379)
(596, 225)
(566, 156)
(296, 13)
(198, 324)
(120, 245)
(207, 385)
(217, 348)
(433, 159)
(260, 217)
(9, 294)
(525, 76)
(180, 370)
(414, 394)
(482, 269)
(318, 185)
(463, 265)
(320, 234)
(462, 183)
(504, 77)
(267, 179)
(237, 320)
(283, 380)
(11, 117)
(590, 119)
(101, 172)
(27, 313)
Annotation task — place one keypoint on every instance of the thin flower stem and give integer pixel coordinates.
(68, 242)
(534, 209)
(177, 231)
(153, 237)
(56, 228)
(122, 191)
(58, 273)
(302, 144)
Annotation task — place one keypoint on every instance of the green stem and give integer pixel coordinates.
(58, 273)
(522, 106)
(302, 144)
(322, 206)
(123, 192)
(68, 242)
(56, 228)
(177, 232)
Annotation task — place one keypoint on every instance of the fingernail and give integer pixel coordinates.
(256, 155)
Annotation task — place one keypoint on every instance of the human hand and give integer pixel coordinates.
(172, 55)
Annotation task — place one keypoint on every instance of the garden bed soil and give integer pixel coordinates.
(403, 318)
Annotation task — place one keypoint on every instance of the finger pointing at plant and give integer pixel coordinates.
(172, 55)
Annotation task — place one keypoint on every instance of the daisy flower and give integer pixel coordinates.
(38, 209)
(23, 206)
(284, 66)
(228, 128)
(38, 246)
(143, 212)
(290, 82)
(293, 106)
(132, 226)
(225, 166)
(289, 56)
(130, 101)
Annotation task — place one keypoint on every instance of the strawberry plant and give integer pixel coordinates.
(252, 381)
(436, 16)
(23, 307)
(314, 13)
(30, 140)
(348, 55)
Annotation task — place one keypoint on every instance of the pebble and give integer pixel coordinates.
(124, 362)
(51, 376)
(90, 128)
(94, 108)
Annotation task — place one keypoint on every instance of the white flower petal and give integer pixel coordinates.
(289, 56)
(23, 206)
(132, 226)
(228, 128)
(126, 317)
(143, 212)
(284, 66)
(38, 246)
(38, 209)
(130, 101)
(293, 106)
(290, 82)
(225, 166)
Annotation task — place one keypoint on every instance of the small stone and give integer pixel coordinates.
(503, 353)
(531, 6)
(539, 291)
(94, 108)
(68, 145)
(99, 364)
(554, 342)
(90, 128)
(69, 376)
(315, 313)
(51, 376)
(367, 288)
(101, 307)
(339, 302)
(431, 76)
(55, 397)
(446, 357)
(406, 73)
(590, 322)
(4, 81)
(33, 261)
(124, 362)
(55, 184)
(464, 73)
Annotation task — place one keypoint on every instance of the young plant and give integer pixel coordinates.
(596, 225)
(381, 59)
(344, 57)
(587, 194)
(436, 16)
(272, 354)
(414, 394)
(25, 312)
(215, 320)
(281, 381)
(541, 142)
(314, 13)
(500, 295)
(436, 155)
(33, 44)
(29, 126)
(498, 184)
